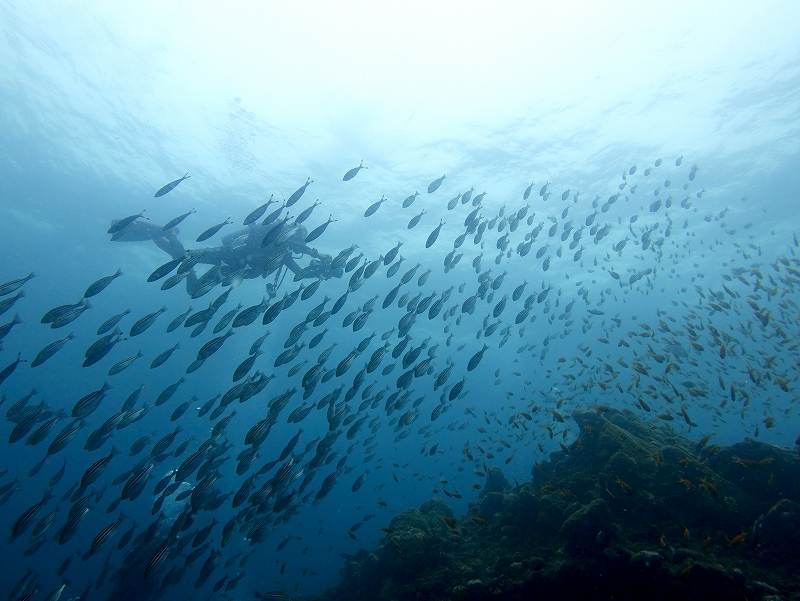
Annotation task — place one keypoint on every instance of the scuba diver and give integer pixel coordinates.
(242, 254)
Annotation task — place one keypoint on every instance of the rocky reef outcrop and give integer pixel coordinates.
(631, 510)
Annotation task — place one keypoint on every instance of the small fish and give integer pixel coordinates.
(476, 358)
(167, 393)
(42, 431)
(89, 402)
(273, 596)
(739, 538)
(249, 315)
(213, 345)
(162, 270)
(319, 230)
(14, 285)
(179, 411)
(434, 234)
(272, 312)
(22, 523)
(158, 558)
(434, 185)
(410, 200)
(120, 224)
(178, 320)
(274, 233)
(456, 390)
(6, 304)
(298, 193)
(64, 437)
(213, 230)
(226, 319)
(306, 213)
(372, 267)
(101, 537)
(373, 208)
(9, 369)
(50, 350)
(56, 478)
(162, 357)
(173, 281)
(124, 364)
(203, 534)
(351, 173)
(390, 256)
(145, 322)
(94, 471)
(65, 314)
(136, 482)
(245, 366)
(415, 220)
(6, 328)
(256, 346)
(170, 186)
(273, 216)
(256, 213)
(175, 221)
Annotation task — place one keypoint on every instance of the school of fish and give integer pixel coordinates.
(547, 277)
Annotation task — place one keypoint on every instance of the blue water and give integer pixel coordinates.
(104, 105)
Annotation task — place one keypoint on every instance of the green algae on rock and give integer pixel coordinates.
(631, 510)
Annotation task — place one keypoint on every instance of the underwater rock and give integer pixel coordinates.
(417, 539)
(776, 533)
(647, 560)
(630, 510)
(764, 471)
(585, 527)
(491, 503)
(493, 499)
(495, 481)
(472, 590)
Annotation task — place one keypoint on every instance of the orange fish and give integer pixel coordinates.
(738, 539)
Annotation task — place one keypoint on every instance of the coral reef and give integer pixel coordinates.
(631, 510)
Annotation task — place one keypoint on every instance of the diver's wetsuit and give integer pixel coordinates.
(141, 230)
(241, 251)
